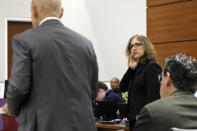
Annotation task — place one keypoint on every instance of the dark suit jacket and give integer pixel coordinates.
(54, 79)
(178, 110)
(143, 87)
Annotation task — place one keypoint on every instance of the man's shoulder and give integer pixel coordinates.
(168, 103)
(27, 34)
(161, 104)
(41, 31)
(77, 35)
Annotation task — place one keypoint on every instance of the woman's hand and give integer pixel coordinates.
(133, 62)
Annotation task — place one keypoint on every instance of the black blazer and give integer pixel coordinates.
(143, 86)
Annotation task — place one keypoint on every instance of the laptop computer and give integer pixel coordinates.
(105, 110)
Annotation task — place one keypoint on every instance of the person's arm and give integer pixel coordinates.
(124, 83)
(144, 121)
(20, 81)
(153, 82)
(120, 99)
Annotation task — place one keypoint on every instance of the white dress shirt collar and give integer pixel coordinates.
(48, 18)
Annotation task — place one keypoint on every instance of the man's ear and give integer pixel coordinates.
(35, 11)
(168, 79)
(61, 13)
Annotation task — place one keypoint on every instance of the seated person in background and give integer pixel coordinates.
(109, 95)
(177, 106)
(115, 82)
(108, 107)
(115, 85)
(102, 88)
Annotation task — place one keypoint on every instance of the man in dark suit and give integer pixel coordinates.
(178, 106)
(54, 74)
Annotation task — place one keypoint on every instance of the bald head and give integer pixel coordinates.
(115, 84)
(45, 8)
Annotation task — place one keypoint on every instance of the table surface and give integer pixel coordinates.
(112, 126)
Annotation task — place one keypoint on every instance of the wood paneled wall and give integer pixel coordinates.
(162, 2)
(172, 27)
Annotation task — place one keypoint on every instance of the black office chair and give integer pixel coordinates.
(178, 129)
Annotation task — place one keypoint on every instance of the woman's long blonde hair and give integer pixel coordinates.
(149, 51)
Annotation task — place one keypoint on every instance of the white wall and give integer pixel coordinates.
(114, 22)
(107, 23)
(80, 21)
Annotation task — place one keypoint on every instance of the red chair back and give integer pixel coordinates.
(7, 123)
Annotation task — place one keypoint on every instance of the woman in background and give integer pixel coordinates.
(142, 77)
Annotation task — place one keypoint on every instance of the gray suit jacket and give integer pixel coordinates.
(178, 110)
(54, 79)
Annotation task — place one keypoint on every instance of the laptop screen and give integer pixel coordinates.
(106, 110)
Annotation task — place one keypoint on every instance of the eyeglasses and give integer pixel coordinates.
(134, 45)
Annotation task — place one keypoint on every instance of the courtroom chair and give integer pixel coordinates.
(7, 123)
(178, 129)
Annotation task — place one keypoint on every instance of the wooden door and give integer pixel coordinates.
(14, 27)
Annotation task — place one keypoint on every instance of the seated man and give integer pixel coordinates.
(109, 95)
(177, 106)
(114, 83)
(102, 88)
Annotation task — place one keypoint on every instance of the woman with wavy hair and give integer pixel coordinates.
(141, 80)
